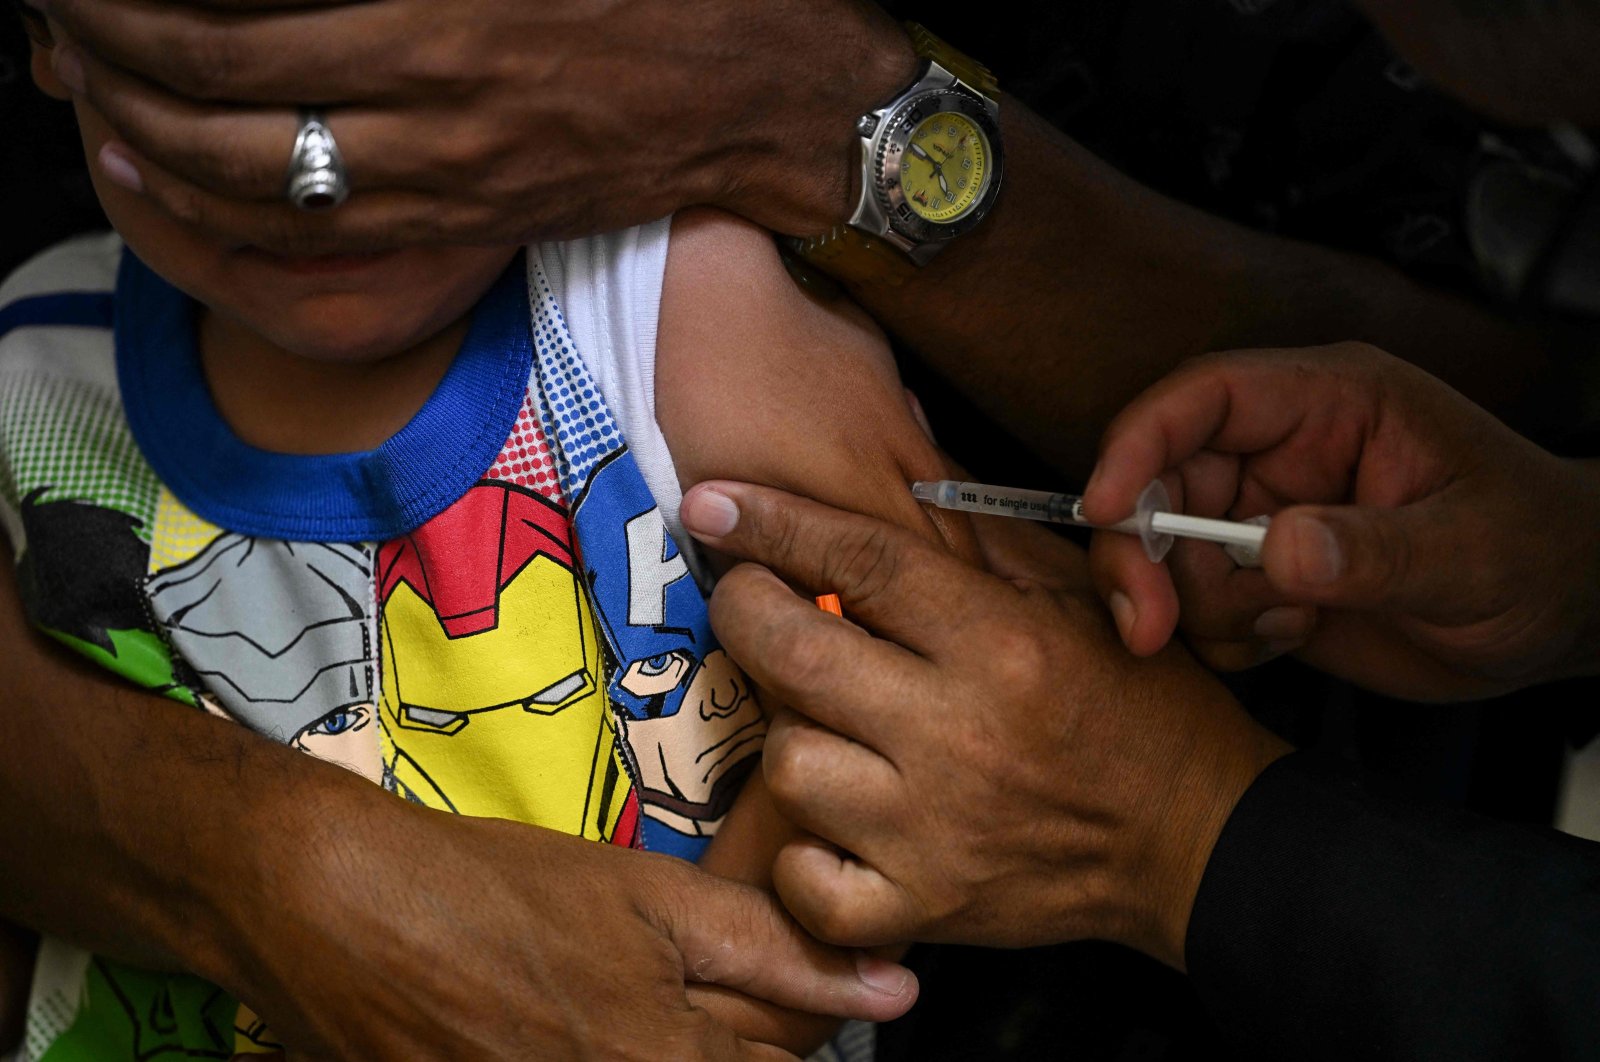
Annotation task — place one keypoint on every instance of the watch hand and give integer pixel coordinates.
(944, 185)
(916, 149)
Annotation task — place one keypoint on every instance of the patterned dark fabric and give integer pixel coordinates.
(1294, 116)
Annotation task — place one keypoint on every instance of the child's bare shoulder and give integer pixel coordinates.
(756, 380)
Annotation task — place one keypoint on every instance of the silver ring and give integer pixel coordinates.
(317, 178)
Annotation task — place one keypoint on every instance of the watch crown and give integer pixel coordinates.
(867, 124)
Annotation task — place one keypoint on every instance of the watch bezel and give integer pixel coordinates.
(889, 151)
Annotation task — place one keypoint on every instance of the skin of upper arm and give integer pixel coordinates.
(756, 381)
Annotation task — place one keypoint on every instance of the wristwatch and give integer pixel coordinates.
(931, 164)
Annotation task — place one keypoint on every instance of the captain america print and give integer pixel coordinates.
(691, 723)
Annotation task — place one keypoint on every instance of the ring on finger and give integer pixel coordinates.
(317, 179)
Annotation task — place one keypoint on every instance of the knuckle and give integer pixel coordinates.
(866, 562)
(188, 205)
(796, 657)
(774, 532)
(695, 1026)
(434, 68)
(488, 222)
(727, 598)
(786, 764)
(467, 150)
(220, 158)
(1020, 656)
(836, 921)
(735, 609)
(503, 190)
(201, 58)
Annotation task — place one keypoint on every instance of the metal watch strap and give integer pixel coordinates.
(845, 252)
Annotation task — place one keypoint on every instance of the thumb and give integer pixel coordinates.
(890, 580)
(738, 937)
(1383, 560)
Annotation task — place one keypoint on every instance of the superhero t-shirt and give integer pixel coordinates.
(485, 615)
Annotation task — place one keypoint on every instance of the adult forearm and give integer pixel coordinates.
(131, 821)
(1083, 287)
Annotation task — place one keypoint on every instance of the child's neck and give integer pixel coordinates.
(278, 401)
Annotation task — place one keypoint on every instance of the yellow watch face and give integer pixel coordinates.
(944, 167)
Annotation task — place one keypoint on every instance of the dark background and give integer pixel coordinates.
(1287, 115)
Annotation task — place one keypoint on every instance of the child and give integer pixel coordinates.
(356, 504)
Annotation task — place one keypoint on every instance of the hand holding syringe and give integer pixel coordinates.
(1153, 520)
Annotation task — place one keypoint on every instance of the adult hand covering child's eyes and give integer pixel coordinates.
(484, 120)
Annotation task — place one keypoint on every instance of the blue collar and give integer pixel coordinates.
(350, 497)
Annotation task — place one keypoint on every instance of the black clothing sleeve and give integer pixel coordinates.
(1335, 924)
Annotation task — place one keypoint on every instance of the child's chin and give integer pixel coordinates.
(351, 343)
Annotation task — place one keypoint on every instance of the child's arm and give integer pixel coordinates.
(756, 381)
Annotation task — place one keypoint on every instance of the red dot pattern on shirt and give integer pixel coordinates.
(526, 459)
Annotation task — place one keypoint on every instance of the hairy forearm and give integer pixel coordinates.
(1083, 287)
(127, 816)
(743, 850)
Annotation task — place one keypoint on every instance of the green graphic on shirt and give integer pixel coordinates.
(144, 1017)
(138, 656)
(80, 579)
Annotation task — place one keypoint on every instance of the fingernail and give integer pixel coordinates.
(68, 66)
(1123, 612)
(1321, 559)
(880, 975)
(710, 513)
(118, 168)
(1273, 650)
(1283, 624)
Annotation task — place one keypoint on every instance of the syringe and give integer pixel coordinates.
(1153, 519)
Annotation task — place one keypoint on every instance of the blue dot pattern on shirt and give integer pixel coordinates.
(571, 412)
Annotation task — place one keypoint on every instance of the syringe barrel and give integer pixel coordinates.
(999, 501)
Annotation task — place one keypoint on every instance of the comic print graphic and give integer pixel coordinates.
(278, 633)
(78, 578)
(691, 726)
(493, 702)
(690, 720)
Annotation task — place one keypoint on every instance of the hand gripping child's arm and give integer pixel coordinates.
(756, 381)
(161, 836)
